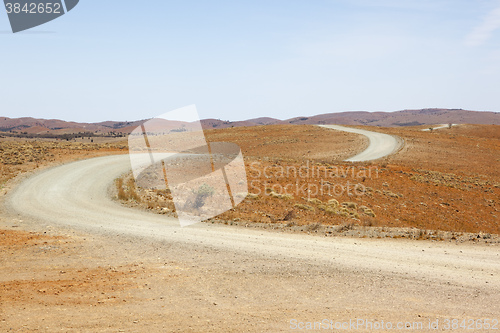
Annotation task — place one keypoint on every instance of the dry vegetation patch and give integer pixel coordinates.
(435, 183)
(22, 155)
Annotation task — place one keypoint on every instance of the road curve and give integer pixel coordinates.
(77, 195)
(381, 145)
(435, 127)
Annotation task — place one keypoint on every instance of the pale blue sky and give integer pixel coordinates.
(126, 60)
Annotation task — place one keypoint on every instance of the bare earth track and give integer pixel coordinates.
(235, 279)
(381, 145)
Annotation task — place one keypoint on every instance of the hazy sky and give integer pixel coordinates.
(128, 60)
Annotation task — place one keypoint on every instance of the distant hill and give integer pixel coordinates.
(217, 123)
(32, 126)
(403, 118)
(23, 124)
(55, 127)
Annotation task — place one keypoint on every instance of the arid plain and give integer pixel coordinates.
(437, 194)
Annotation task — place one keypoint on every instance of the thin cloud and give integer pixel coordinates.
(485, 30)
(428, 5)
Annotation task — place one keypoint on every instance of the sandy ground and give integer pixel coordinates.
(84, 263)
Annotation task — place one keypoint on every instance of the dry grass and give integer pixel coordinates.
(130, 194)
(122, 195)
(21, 155)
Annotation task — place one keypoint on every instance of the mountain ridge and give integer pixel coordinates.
(409, 117)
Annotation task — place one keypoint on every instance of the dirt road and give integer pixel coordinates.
(76, 195)
(381, 145)
(305, 277)
(435, 127)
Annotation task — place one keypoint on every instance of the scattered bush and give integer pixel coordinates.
(281, 196)
(304, 207)
(121, 192)
(132, 190)
(128, 191)
(202, 193)
(315, 201)
(331, 211)
(343, 212)
(367, 211)
(351, 205)
(392, 195)
(333, 203)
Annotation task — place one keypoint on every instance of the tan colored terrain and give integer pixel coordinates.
(57, 279)
(290, 142)
(446, 180)
(74, 282)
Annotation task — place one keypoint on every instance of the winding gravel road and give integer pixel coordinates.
(381, 145)
(241, 279)
(76, 195)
